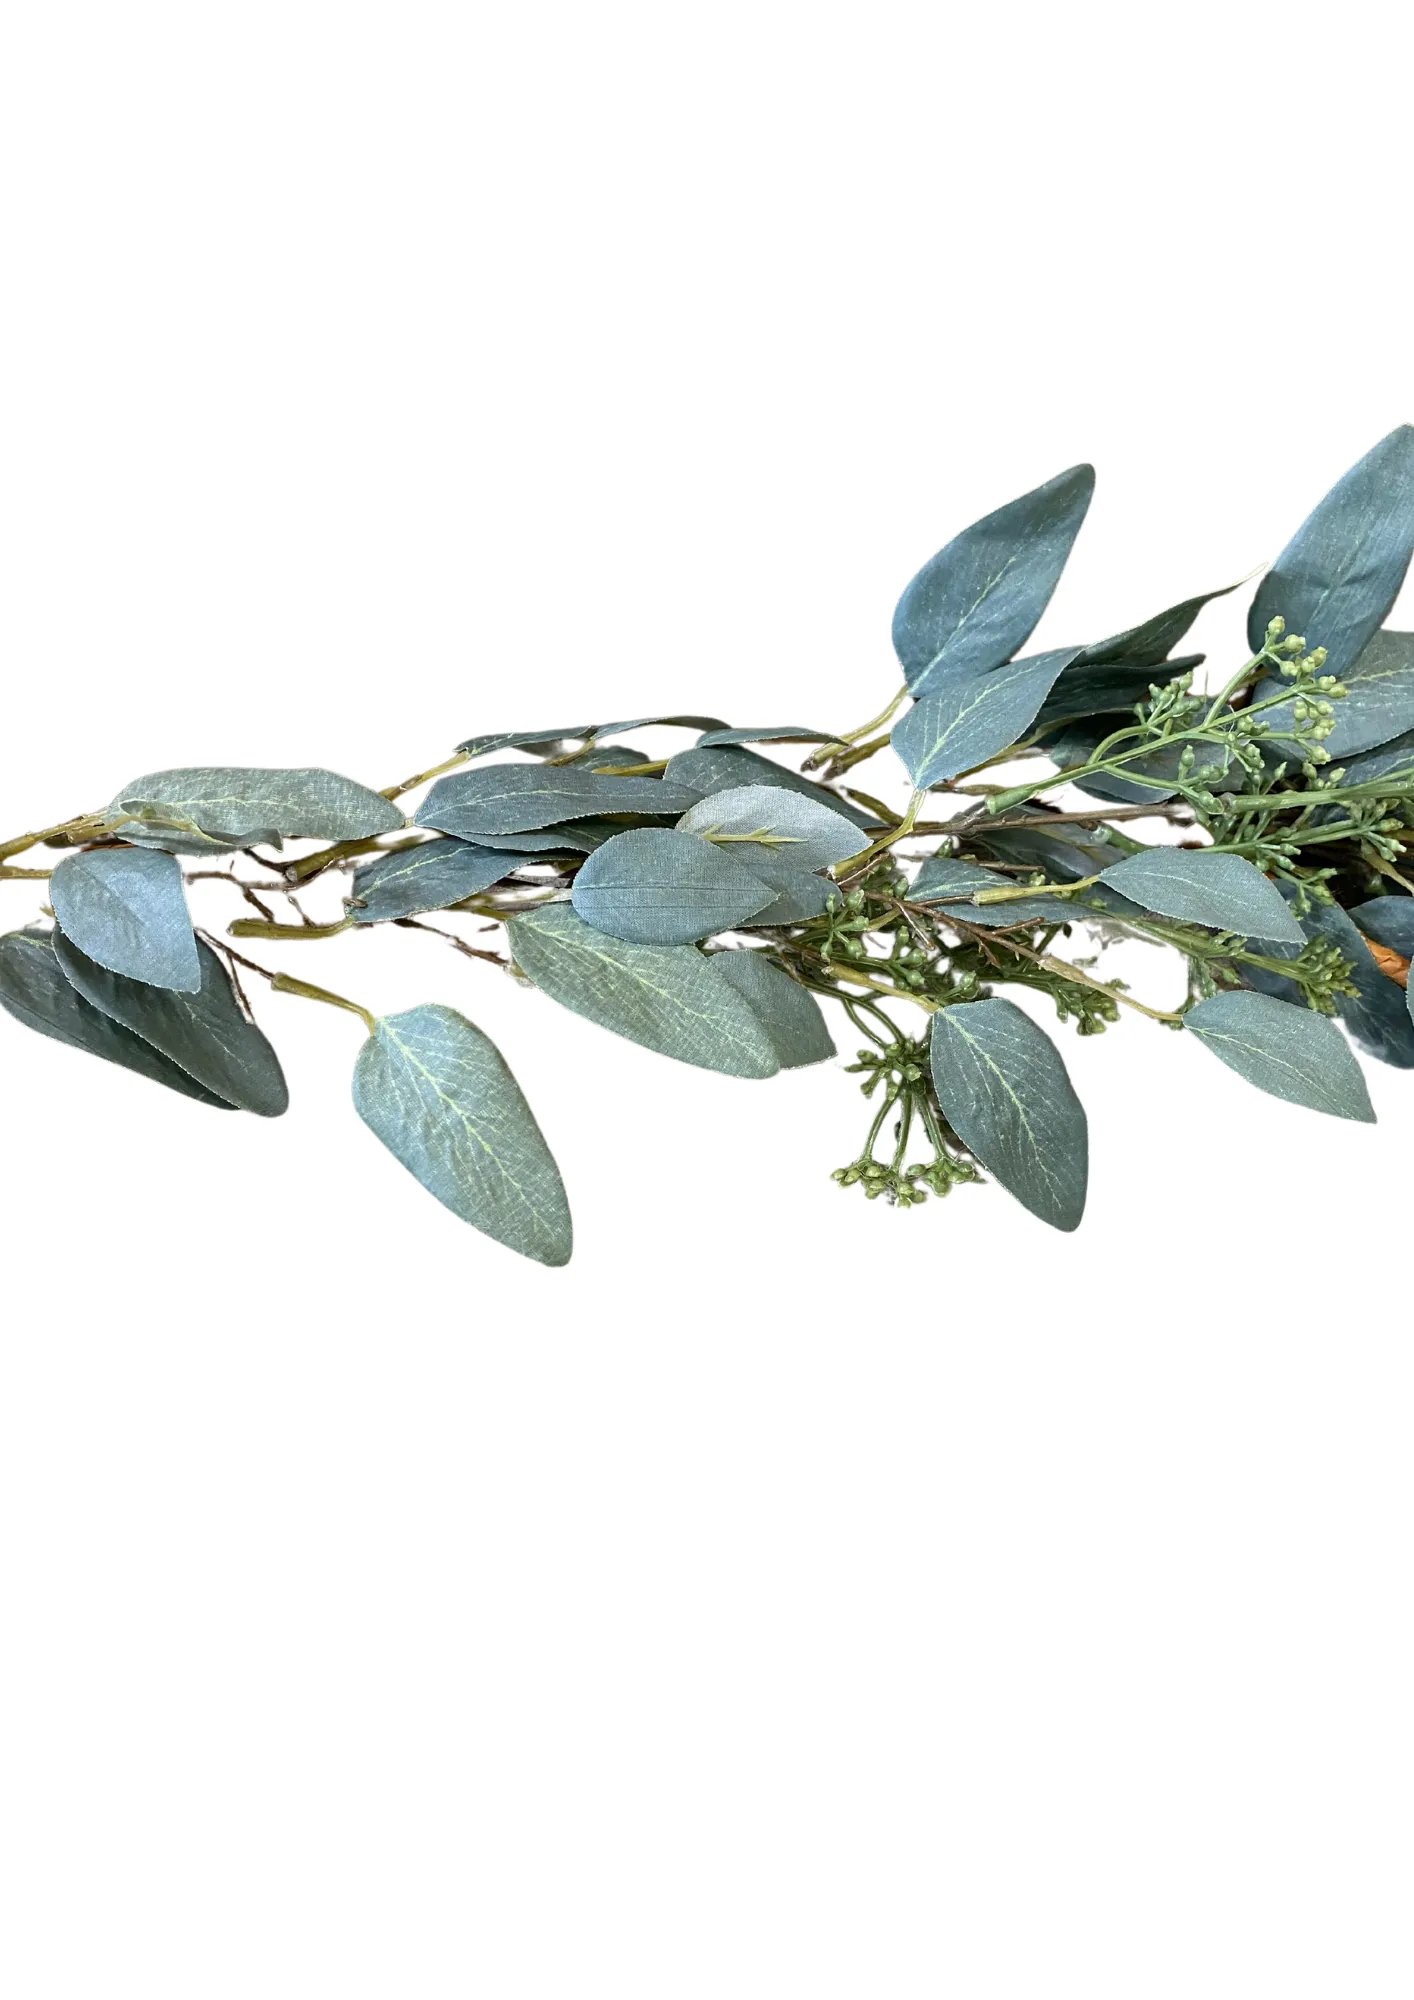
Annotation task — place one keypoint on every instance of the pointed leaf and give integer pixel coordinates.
(237, 803)
(975, 716)
(204, 1033)
(1287, 1051)
(981, 597)
(1200, 887)
(1108, 688)
(1149, 644)
(784, 733)
(1389, 920)
(547, 739)
(1378, 703)
(127, 908)
(799, 830)
(517, 798)
(954, 883)
(1376, 1016)
(439, 1095)
(799, 895)
(666, 997)
(1336, 579)
(790, 1016)
(432, 876)
(724, 767)
(655, 886)
(1004, 1090)
(579, 836)
(35, 991)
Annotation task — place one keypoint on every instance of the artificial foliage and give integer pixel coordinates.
(706, 905)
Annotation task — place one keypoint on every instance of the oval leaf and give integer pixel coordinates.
(1287, 1051)
(666, 997)
(655, 886)
(1375, 1014)
(205, 1033)
(1200, 887)
(981, 597)
(1106, 689)
(975, 716)
(802, 831)
(237, 804)
(785, 733)
(126, 907)
(1337, 577)
(799, 895)
(790, 1016)
(430, 877)
(1004, 1090)
(1389, 920)
(725, 767)
(438, 1093)
(517, 798)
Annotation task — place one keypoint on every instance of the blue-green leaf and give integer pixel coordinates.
(790, 1016)
(1378, 703)
(954, 883)
(723, 767)
(1390, 760)
(579, 836)
(1060, 857)
(799, 895)
(1336, 579)
(206, 1033)
(981, 597)
(1287, 1051)
(666, 997)
(1200, 887)
(1389, 920)
(1108, 688)
(239, 804)
(516, 798)
(547, 739)
(802, 831)
(1375, 1015)
(127, 908)
(432, 876)
(438, 1093)
(1004, 1090)
(975, 715)
(656, 886)
(785, 733)
(35, 991)
(1149, 644)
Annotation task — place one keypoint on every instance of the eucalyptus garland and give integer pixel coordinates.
(706, 904)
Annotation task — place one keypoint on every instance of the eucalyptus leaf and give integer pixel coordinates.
(784, 733)
(799, 894)
(1198, 886)
(1375, 1014)
(666, 997)
(1378, 703)
(802, 831)
(656, 886)
(1391, 760)
(126, 907)
(189, 841)
(238, 804)
(790, 1016)
(517, 798)
(1149, 644)
(1287, 1051)
(521, 739)
(437, 1092)
(579, 836)
(975, 715)
(1335, 581)
(431, 876)
(980, 598)
(725, 767)
(1105, 688)
(606, 756)
(1067, 855)
(1003, 1088)
(205, 1033)
(1389, 920)
(35, 991)
(953, 884)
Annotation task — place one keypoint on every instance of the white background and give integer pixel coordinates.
(791, 1598)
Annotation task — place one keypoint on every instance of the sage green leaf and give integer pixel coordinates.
(606, 756)
(800, 830)
(1335, 581)
(790, 1016)
(1059, 857)
(438, 1093)
(521, 739)
(191, 841)
(655, 886)
(1106, 688)
(1149, 644)
(127, 908)
(580, 836)
(1391, 760)
(238, 804)
(980, 598)
(666, 997)
(974, 716)
(723, 767)
(1389, 920)
(432, 876)
(1287, 1051)
(799, 894)
(517, 798)
(1200, 887)
(1375, 1014)
(954, 883)
(1004, 1090)
(205, 1033)
(1377, 706)
(35, 991)
(607, 729)
(784, 733)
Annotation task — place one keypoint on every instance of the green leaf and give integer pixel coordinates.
(438, 1093)
(35, 991)
(606, 757)
(1335, 581)
(974, 716)
(1004, 1090)
(127, 908)
(800, 895)
(548, 739)
(655, 886)
(431, 876)
(1106, 689)
(238, 804)
(790, 1016)
(517, 798)
(1149, 644)
(1287, 1051)
(725, 767)
(784, 733)
(1375, 1014)
(1059, 857)
(981, 597)
(1389, 920)
(666, 997)
(1378, 703)
(942, 880)
(768, 819)
(1390, 760)
(204, 1033)
(1200, 887)
(581, 836)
